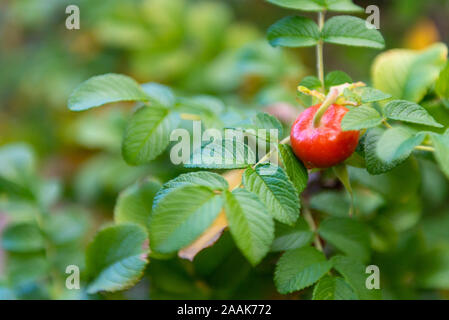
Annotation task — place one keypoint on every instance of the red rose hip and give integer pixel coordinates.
(326, 145)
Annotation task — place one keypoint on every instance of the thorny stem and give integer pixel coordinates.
(312, 225)
(319, 51)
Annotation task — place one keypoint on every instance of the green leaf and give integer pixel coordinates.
(17, 165)
(347, 235)
(318, 5)
(250, 224)
(266, 121)
(202, 104)
(201, 178)
(409, 112)
(369, 95)
(408, 74)
(295, 169)
(331, 202)
(23, 237)
(288, 238)
(224, 154)
(353, 271)
(374, 164)
(275, 191)
(300, 268)
(148, 134)
(396, 144)
(336, 78)
(442, 85)
(66, 226)
(441, 144)
(333, 288)
(159, 94)
(360, 118)
(294, 31)
(310, 82)
(116, 258)
(351, 31)
(182, 216)
(103, 89)
(135, 202)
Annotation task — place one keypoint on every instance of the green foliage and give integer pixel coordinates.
(441, 144)
(104, 89)
(333, 288)
(294, 168)
(318, 5)
(409, 112)
(148, 134)
(116, 258)
(300, 268)
(274, 189)
(408, 74)
(363, 117)
(354, 274)
(294, 31)
(289, 238)
(134, 204)
(250, 224)
(172, 228)
(351, 31)
(347, 235)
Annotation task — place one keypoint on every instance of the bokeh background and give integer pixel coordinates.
(197, 47)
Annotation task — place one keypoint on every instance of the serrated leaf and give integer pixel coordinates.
(353, 272)
(300, 268)
(294, 32)
(409, 112)
(134, 204)
(351, 31)
(148, 134)
(250, 224)
(369, 95)
(295, 169)
(22, 237)
(374, 164)
(333, 288)
(363, 117)
(201, 178)
(182, 216)
(104, 89)
(336, 78)
(396, 144)
(159, 94)
(116, 258)
(347, 235)
(268, 122)
(441, 144)
(223, 154)
(289, 238)
(318, 5)
(408, 74)
(275, 191)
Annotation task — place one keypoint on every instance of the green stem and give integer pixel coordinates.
(268, 155)
(309, 219)
(425, 148)
(319, 51)
(330, 99)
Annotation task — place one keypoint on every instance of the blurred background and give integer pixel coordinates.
(196, 47)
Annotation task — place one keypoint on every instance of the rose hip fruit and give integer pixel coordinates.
(326, 145)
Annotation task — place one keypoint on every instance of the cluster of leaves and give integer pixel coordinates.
(40, 240)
